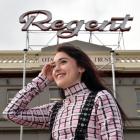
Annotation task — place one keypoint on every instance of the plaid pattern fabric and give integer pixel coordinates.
(105, 120)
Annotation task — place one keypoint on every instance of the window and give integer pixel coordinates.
(11, 93)
(54, 94)
(138, 101)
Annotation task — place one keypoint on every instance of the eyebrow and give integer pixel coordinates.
(61, 59)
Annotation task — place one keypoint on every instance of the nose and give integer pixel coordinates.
(57, 67)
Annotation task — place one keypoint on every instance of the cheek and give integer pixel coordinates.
(53, 74)
(73, 73)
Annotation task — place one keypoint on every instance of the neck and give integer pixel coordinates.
(76, 89)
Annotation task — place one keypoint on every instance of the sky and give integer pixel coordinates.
(12, 38)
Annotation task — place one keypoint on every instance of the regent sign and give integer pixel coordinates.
(66, 30)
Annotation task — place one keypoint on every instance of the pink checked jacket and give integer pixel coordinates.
(105, 121)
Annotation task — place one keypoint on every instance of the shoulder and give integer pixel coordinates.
(103, 93)
(104, 97)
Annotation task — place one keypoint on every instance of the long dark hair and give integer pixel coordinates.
(91, 76)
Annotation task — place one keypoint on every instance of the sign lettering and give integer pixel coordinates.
(67, 30)
(96, 59)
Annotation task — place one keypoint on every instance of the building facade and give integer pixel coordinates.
(127, 83)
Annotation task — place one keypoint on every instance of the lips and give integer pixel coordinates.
(60, 75)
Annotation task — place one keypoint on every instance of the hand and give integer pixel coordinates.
(47, 71)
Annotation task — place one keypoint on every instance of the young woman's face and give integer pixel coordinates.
(66, 72)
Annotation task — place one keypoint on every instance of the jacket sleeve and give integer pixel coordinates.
(18, 112)
(108, 117)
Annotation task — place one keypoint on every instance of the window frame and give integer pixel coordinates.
(54, 99)
(137, 91)
(16, 89)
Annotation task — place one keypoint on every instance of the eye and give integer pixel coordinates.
(63, 61)
(53, 65)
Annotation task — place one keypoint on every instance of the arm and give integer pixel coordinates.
(109, 117)
(18, 112)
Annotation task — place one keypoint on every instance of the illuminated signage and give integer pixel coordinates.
(66, 30)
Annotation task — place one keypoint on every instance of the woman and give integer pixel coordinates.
(75, 74)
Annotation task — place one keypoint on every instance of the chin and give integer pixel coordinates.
(61, 85)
